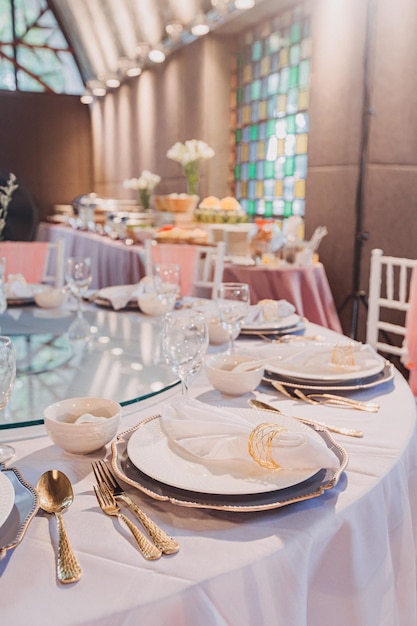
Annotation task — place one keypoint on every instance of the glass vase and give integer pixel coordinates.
(144, 198)
(191, 171)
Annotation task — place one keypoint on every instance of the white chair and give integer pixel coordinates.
(389, 291)
(201, 266)
(54, 264)
(37, 261)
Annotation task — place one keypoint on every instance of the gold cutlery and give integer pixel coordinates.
(325, 398)
(164, 542)
(264, 406)
(55, 495)
(328, 398)
(289, 338)
(109, 506)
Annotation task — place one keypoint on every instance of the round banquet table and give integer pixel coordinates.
(346, 557)
(307, 288)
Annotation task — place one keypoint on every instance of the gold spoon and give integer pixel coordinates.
(55, 495)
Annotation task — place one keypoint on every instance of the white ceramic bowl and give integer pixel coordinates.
(49, 298)
(83, 437)
(221, 375)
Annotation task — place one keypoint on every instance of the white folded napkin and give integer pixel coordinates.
(217, 437)
(17, 287)
(269, 310)
(120, 296)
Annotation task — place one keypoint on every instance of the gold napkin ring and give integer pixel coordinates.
(343, 355)
(260, 444)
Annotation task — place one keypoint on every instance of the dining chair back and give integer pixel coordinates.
(388, 302)
(201, 267)
(37, 261)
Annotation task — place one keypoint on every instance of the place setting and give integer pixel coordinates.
(19, 501)
(311, 371)
(216, 457)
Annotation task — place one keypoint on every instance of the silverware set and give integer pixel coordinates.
(324, 398)
(264, 406)
(109, 492)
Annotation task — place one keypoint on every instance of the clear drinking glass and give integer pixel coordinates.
(7, 379)
(78, 276)
(166, 277)
(184, 343)
(232, 300)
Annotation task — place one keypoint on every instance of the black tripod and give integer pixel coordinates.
(358, 296)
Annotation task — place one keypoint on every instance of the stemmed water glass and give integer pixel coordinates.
(7, 378)
(78, 276)
(232, 300)
(166, 277)
(184, 343)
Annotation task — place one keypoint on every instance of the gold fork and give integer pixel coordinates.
(109, 506)
(325, 398)
(328, 398)
(164, 542)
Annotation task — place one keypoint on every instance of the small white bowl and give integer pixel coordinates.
(82, 437)
(49, 298)
(221, 375)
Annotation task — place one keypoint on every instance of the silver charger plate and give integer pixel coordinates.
(383, 377)
(25, 507)
(313, 487)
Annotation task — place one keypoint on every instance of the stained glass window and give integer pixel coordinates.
(272, 97)
(34, 54)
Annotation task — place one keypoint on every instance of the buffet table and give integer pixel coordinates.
(307, 288)
(345, 557)
(113, 262)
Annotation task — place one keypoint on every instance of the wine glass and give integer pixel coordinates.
(78, 276)
(184, 343)
(232, 301)
(166, 277)
(7, 378)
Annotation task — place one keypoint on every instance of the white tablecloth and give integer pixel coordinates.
(345, 558)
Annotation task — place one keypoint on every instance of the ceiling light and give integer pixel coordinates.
(157, 54)
(97, 88)
(244, 4)
(134, 70)
(113, 82)
(174, 30)
(200, 26)
(142, 50)
(221, 6)
(87, 97)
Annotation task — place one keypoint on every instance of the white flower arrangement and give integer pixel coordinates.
(6, 193)
(144, 185)
(189, 154)
(190, 151)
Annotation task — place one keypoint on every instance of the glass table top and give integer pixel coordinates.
(122, 361)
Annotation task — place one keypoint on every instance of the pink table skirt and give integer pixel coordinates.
(307, 288)
(113, 262)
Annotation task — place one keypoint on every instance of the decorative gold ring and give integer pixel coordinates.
(260, 444)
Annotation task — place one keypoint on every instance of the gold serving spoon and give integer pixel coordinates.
(55, 495)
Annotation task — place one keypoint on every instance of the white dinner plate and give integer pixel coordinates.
(149, 450)
(283, 323)
(6, 498)
(315, 363)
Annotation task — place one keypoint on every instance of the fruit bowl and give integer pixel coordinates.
(176, 203)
